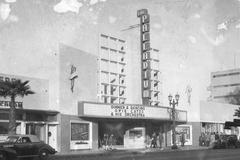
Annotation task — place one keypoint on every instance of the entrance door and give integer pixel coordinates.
(52, 136)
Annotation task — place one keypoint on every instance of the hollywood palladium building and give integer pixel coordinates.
(113, 88)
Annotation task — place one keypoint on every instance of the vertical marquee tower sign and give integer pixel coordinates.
(145, 55)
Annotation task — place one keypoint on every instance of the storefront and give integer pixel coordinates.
(41, 123)
(131, 126)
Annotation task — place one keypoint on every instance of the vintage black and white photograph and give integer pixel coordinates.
(120, 79)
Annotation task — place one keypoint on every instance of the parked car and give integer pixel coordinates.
(227, 141)
(24, 146)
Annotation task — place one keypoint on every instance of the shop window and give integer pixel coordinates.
(135, 134)
(3, 127)
(79, 131)
(36, 129)
(185, 130)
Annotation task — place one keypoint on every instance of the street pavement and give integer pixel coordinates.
(153, 154)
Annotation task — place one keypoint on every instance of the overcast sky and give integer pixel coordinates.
(195, 37)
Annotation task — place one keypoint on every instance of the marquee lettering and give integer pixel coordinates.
(146, 56)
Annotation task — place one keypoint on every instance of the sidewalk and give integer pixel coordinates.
(101, 151)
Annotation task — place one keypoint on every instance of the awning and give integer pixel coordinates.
(23, 110)
(229, 124)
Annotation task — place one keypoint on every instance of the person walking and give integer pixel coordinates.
(154, 140)
(105, 141)
(111, 142)
(208, 138)
(160, 139)
(182, 139)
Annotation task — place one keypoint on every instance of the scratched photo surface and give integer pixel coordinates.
(127, 57)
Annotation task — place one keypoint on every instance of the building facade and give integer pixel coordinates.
(218, 109)
(33, 113)
(103, 100)
(224, 85)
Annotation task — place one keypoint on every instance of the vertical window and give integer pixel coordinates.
(104, 40)
(121, 101)
(104, 53)
(104, 89)
(113, 67)
(113, 100)
(114, 90)
(104, 77)
(121, 91)
(104, 65)
(113, 55)
(113, 79)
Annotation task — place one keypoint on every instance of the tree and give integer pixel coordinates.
(234, 97)
(237, 112)
(13, 89)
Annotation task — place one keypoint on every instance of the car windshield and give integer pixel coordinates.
(12, 139)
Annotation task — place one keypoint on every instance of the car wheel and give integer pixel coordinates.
(3, 156)
(43, 154)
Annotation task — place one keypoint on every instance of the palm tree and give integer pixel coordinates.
(13, 89)
(237, 112)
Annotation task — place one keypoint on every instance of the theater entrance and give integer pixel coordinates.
(122, 134)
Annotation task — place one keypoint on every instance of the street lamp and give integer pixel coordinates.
(173, 103)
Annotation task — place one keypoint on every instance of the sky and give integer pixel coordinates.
(195, 37)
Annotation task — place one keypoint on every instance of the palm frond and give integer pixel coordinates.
(14, 88)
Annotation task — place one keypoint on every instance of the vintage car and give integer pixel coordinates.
(24, 146)
(226, 141)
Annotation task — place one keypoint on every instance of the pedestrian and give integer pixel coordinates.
(208, 139)
(204, 139)
(148, 141)
(201, 140)
(212, 138)
(217, 136)
(111, 142)
(182, 139)
(105, 141)
(154, 140)
(160, 139)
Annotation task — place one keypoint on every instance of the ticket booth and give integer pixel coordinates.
(135, 138)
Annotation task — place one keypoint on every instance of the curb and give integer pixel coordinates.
(131, 151)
